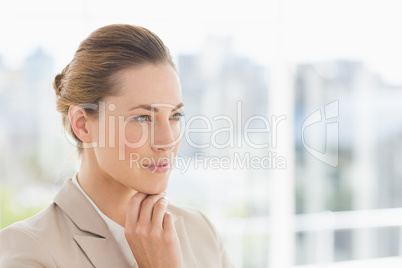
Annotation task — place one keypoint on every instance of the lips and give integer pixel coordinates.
(158, 168)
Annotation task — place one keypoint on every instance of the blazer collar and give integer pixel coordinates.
(80, 210)
(101, 248)
(99, 245)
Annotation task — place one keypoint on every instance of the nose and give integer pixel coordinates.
(162, 137)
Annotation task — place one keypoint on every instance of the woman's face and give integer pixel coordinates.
(137, 132)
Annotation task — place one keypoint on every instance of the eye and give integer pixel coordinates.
(142, 118)
(177, 116)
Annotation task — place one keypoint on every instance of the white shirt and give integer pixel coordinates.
(116, 229)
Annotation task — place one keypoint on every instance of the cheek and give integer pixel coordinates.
(133, 140)
(176, 132)
(134, 135)
(177, 136)
(177, 147)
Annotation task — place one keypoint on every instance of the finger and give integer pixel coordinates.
(159, 212)
(134, 207)
(147, 208)
(168, 224)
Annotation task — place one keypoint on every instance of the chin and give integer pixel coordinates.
(151, 189)
(150, 183)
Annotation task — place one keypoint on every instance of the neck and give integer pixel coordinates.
(110, 196)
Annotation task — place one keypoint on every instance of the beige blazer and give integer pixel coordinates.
(70, 234)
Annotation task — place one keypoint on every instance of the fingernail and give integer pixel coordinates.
(165, 201)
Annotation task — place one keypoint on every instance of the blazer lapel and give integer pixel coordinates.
(97, 242)
(101, 252)
(80, 210)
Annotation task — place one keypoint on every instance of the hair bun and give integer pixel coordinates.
(57, 84)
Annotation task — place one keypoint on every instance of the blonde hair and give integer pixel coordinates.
(91, 75)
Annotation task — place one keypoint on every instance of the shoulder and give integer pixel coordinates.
(39, 225)
(22, 242)
(32, 225)
(195, 223)
(192, 217)
(195, 228)
(186, 212)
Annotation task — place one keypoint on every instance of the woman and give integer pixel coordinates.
(120, 99)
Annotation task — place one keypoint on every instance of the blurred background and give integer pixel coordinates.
(329, 191)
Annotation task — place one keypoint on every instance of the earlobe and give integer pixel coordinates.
(79, 118)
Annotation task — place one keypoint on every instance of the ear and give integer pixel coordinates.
(79, 123)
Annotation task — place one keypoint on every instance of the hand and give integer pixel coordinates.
(151, 233)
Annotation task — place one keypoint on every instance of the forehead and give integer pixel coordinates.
(147, 84)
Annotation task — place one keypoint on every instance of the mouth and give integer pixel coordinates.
(158, 168)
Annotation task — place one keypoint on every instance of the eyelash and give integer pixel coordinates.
(138, 118)
(180, 115)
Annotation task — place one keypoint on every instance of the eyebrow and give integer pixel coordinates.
(150, 108)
